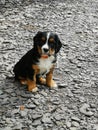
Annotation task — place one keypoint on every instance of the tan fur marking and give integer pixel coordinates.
(51, 40)
(31, 85)
(23, 81)
(36, 69)
(42, 80)
(49, 81)
(43, 39)
(39, 50)
(51, 51)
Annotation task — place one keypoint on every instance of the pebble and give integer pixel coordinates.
(85, 110)
(55, 100)
(36, 116)
(15, 111)
(8, 120)
(73, 128)
(93, 105)
(62, 85)
(40, 128)
(75, 119)
(76, 124)
(1, 92)
(44, 93)
(6, 128)
(31, 106)
(36, 102)
(1, 40)
(68, 124)
(37, 96)
(46, 119)
(23, 113)
(36, 123)
(18, 126)
(96, 127)
(82, 99)
(58, 117)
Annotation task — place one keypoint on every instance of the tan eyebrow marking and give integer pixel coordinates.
(43, 38)
(51, 40)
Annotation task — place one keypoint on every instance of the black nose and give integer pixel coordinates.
(46, 50)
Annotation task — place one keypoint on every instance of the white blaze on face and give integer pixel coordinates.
(45, 46)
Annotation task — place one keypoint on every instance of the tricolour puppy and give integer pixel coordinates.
(39, 61)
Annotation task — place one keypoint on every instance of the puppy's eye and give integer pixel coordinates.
(43, 39)
(51, 40)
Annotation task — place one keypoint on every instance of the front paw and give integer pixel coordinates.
(34, 90)
(42, 80)
(52, 84)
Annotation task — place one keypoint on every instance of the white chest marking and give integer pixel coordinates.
(45, 64)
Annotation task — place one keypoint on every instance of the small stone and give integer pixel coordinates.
(58, 117)
(85, 110)
(93, 105)
(13, 120)
(76, 124)
(36, 102)
(73, 128)
(62, 85)
(15, 111)
(1, 92)
(96, 127)
(44, 93)
(69, 93)
(36, 123)
(39, 128)
(18, 126)
(75, 119)
(56, 79)
(46, 119)
(68, 124)
(8, 121)
(62, 129)
(37, 96)
(82, 99)
(31, 106)
(23, 113)
(36, 116)
(6, 128)
(1, 39)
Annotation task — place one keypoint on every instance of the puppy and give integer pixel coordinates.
(39, 61)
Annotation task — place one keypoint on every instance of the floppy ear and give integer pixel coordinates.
(58, 44)
(36, 39)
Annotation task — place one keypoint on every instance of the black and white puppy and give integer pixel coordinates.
(39, 61)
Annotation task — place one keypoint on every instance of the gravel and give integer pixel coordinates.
(74, 104)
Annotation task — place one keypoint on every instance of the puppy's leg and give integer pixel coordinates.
(42, 80)
(49, 81)
(31, 85)
(23, 81)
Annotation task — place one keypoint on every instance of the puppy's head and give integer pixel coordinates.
(47, 43)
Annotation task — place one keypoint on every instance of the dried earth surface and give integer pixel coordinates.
(74, 104)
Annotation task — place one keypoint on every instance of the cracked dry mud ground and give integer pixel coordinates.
(74, 105)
